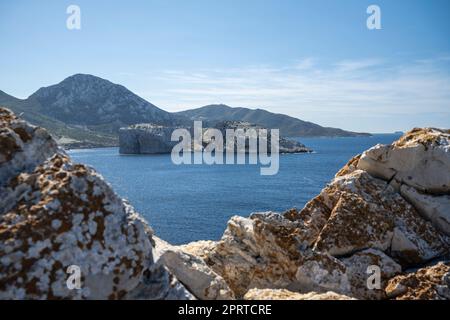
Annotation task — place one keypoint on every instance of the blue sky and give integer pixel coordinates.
(315, 60)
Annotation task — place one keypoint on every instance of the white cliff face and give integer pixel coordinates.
(58, 214)
(146, 139)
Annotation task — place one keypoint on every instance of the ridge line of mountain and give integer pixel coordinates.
(87, 111)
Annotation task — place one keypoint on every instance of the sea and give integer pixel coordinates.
(185, 203)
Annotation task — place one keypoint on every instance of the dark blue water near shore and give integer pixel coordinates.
(194, 202)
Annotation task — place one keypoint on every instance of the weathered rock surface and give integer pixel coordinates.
(193, 272)
(60, 214)
(260, 252)
(419, 159)
(283, 294)
(433, 208)
(22, 146)
(321, 272)
(368, 213)
(363, 222)
(430, 283)
(157, 283)
(359, 268)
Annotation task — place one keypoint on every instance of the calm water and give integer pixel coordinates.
(193, 202)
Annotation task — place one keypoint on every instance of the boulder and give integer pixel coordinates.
(146, 139)
(64, 233)
(283, 294)
(157, 283)
(195, 275)
(433, 208)
(22, 147)
(429, 283)
(419, 159)
(263, 251)
(320, 272)
(362, 265)
(368, 213)
(65, 214)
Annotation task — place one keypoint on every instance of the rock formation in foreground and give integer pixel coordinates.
(156, 139)
(57, 216)
(386, 211)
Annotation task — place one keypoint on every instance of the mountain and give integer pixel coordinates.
(289, 126)
(85, 110)
(97, 103)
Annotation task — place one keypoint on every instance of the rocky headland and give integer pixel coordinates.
(388, 207)
(156, 139)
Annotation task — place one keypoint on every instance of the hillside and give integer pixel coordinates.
(86, 110)
(289, 126)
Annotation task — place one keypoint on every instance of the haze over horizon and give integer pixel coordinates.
(316, 61)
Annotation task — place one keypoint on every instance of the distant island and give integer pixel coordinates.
(156, 139)
(84, 111)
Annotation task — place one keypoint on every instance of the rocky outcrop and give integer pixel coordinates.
(366, 212)
(192, 271)
(156, 139)
(282, 294)
(146, 139)
(378, 230)
(22, 146)
(436, 209)
(430, 283)
(64, 233)
(383, 214)
(358, 271)
(419, 159)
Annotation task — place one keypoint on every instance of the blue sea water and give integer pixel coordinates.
(194, 202)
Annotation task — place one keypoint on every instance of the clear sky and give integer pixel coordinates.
(315, 60)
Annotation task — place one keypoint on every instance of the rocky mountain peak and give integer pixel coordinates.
(84, 99)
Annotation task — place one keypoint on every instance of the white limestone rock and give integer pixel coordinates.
(419, 159)
(433, 208)
(195, 275)
(56, 216)
(362, 265)
(22, 147)
(283, 294)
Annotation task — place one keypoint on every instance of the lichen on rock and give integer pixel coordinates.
(429, 283)
(56, 215)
